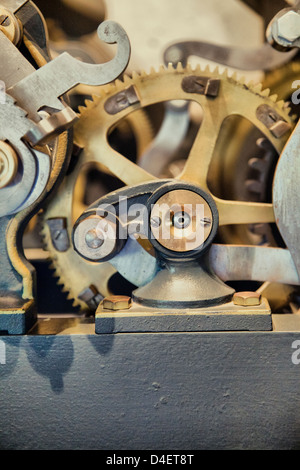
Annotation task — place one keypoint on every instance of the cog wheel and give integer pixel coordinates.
(137, 126)
(219, 96)
(248, 164)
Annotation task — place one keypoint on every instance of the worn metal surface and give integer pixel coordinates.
(169, 138)
(59, 233)
(285, 191)
(229, 262)
(34, 170)
(260, 58)
(183, 284)
(44, 86)
(13, 5)
(150, 391)
(225, 317)
(253, 263)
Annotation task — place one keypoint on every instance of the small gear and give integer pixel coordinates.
(252, 164)
(219, 96)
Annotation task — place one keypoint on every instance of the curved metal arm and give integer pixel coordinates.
(261, 58)
(99, 74)
(43, 87)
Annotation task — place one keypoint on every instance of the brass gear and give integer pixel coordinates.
(280, 80)
(74, 185)
(246, 169)
(232, 97)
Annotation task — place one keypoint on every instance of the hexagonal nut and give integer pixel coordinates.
(288, 26)
(247, 299)
(116, 302)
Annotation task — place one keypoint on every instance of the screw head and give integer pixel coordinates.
(155, 221)
(206, 221)
(247, 299)
(93, 240)
(116, 302)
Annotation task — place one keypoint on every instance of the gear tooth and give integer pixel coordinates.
(152, 71)
(265, 93)
(143, 74)
(197, 69)
(162, 68)
(257, 163)
(51, 265)
(170, 67)
(273, 98)
(250, 84)
(110, 88)
(136, 76)
(119, 84)
(224, 74)
(81, 110)
(89, 103)
(257, 88)
(280, 104)
(179, 67)
(95, 99)
(127, 79)
(294, 117)
(69, 296)
(216, 70)
(242, 80)
(76, 304)
(189, 68)
(234, 76)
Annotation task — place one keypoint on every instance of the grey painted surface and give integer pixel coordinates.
(150, 391)
(157, 322)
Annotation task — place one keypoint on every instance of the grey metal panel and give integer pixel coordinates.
(150, 391)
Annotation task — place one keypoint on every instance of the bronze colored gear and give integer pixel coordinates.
(249, 161)
(280, 81)
(219, 96)
(72, 193)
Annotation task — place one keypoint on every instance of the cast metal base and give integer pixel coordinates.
(226, 317)
(17, 316)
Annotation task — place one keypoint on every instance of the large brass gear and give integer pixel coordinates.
(74, 187)
(232, 98)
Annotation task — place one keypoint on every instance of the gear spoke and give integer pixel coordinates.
(99, 151)
(240, 212)
(201, 154)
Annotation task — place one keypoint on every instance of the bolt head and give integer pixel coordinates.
(247, 299)
(116, 302)
(288, 26)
